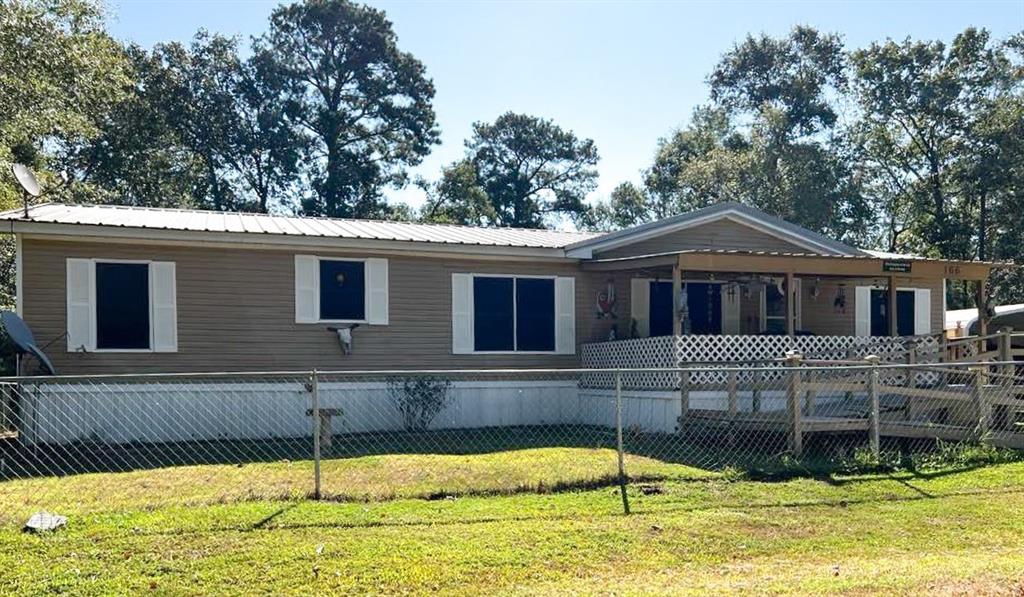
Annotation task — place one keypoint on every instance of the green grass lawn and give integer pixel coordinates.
(948, 532)
(363, 478)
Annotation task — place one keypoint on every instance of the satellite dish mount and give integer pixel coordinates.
(29, 185)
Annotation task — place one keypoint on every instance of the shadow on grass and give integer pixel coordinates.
(270, 523)
(835, 458)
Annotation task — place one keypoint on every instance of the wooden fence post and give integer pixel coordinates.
(793, 406)
(874, 410)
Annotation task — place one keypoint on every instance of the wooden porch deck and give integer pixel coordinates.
(910, 390)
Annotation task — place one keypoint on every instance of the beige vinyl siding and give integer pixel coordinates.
(720, 234)
(236, 312)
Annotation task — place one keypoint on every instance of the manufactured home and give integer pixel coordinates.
(112, 289)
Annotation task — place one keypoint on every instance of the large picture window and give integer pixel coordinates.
(512, 314)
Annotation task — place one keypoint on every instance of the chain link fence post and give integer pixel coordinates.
(618, 440)
(874, 409)
(314, 390)
(794, 406)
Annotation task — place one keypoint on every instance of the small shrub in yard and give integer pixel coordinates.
(419, 399)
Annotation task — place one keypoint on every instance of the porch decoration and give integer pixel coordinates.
(606, 301)
(839, 303)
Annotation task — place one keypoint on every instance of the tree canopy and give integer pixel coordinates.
(363, 105)
(906, 145)
(519, 171)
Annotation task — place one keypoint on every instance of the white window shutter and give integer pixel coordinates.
(377, 291)
(307, 275)
(565, 315)
(639, 304)
(730, 310)
(462, 314)
(165, 306)
(81, 305)
(922, 311)
(862, 311)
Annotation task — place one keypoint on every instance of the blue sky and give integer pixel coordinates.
(622, 73)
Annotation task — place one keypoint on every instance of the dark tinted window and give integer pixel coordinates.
(704, 305)
(660, 309)
(492, 314)
(122, 305)
(342, 290)
(535, 314)
(904, 312)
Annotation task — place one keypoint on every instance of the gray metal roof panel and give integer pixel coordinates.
(245, 223)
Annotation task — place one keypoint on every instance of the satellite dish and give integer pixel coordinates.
(24, 340)
(27, 180)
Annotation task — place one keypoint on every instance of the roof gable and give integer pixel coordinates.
(723, 226)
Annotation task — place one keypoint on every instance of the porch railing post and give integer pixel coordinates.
(314, 391)
(793, 406)
(874, 410)
(943, 358)
(618, 440)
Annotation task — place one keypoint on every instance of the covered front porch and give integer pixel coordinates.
(755, 306)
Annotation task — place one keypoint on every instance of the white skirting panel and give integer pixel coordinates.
(165, 412)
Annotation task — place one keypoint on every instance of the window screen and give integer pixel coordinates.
(535, 314)
(342, 290)
(493, 316)
(122, 305)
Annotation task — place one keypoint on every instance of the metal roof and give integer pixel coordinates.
(711, 213)
(265, 224)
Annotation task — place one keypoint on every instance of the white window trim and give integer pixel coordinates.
(798, 311)
(515, 331)
(149, 298)
(316, 290)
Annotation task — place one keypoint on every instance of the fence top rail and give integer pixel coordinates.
(303, 375)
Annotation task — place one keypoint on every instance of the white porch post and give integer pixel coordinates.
(677, 295)
(791, 305)
(891, 308)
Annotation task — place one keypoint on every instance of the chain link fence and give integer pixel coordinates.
(102, 444)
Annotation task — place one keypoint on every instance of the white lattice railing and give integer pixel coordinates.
(682, 351)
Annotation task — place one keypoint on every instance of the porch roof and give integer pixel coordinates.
(865, 265)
